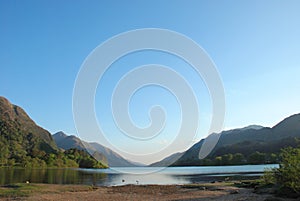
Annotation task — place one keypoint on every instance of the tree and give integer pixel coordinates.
(238, 159)
(288, 174)
(272, 158)
(4, 154)
(257, 158)
(226, 159)
(218, 160)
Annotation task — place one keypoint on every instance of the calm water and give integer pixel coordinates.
(116, 176)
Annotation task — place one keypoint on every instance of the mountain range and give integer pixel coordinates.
(25, 144)
(21, 139)
(243, 140)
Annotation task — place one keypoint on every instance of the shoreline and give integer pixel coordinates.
(198, 191)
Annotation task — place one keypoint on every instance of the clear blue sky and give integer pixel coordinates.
(254, 44)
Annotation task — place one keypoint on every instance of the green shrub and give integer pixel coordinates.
(287, 176)
(268, 177)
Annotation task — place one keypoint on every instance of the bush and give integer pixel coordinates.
(268, 177)
(287, 176)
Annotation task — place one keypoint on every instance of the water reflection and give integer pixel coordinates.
(50, 176)
(123, 179)
(109, 177)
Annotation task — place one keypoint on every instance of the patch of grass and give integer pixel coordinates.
(18, 190)
(77, 188)
(25, 190)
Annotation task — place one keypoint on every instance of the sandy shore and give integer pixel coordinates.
(216, 191)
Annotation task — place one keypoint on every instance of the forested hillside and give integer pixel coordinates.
(25, 144)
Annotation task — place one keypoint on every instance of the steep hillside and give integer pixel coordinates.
(20, 138)
(245, 142)
(25, 144)
(113, 159)
(16, 125)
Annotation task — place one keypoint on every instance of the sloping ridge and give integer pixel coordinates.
(113, 159)
(15, 123)
(281, 132)
(67, 141)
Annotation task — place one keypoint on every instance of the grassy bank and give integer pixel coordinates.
(26, 190)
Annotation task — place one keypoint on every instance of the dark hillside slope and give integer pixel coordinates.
(247, 141)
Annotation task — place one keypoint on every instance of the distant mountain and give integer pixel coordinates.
(113, 159)
(245, 141)
(67, 141)
(168, 160)
(289, 127)
(21, 132)
(255, 127)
